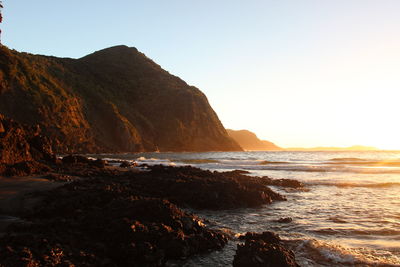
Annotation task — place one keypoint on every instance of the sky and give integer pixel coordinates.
(298, 73)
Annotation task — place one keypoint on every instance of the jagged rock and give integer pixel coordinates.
(263, 249)
(14, 146)
(75, 159)
(23, 150)
(93, 227)
(126, 164)
(269, 237)
(204, 189)
(282, 182)
(125, 218)
(99, 163)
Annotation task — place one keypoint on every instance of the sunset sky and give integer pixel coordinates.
(298, 73)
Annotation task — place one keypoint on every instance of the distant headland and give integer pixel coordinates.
(250, 142)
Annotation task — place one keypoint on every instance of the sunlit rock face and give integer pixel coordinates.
(114, 100)
(22, 149)
(249, 141)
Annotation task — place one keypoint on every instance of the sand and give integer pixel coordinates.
(16, 196)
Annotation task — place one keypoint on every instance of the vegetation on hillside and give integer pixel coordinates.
(114, 100)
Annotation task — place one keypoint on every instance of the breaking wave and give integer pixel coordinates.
(348, 216)
(354, 184)
(325, 253)
(369, 162)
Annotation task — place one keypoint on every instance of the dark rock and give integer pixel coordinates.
(269, 237)
(263, 250)
(285, 220)
(99, 163)
(14, 146)
(189, 186)
(75, 159)
(183, 186)
(59, 177)
(126, 218)
(90, 226)
(40, 148)
(126, 164)
(282, 182)
(78, 159)
(23, 151)
(25, 168)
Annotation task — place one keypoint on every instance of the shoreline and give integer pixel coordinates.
(97, 203)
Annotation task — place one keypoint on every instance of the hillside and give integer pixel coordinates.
(249, 141)
(114, 100)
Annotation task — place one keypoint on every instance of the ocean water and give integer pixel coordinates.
(347, 215)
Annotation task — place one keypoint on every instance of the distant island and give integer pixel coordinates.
(250, 142)
(350, 148)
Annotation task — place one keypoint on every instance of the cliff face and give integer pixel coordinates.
(114, 100)
(249, 141)
(22, 149)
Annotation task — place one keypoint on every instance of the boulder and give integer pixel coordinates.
(263, 250)
(282, 182)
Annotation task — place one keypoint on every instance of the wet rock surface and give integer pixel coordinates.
(121, 217)
(201, 189)
(282, 182)
(263, 249)
(118, 216)
(88, 230)
(184, 186)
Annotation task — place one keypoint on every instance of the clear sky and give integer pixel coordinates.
(298, 73)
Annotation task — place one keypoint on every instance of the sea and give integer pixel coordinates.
(348, 213)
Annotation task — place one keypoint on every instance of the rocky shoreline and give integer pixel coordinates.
(101, 215)
(111, 217)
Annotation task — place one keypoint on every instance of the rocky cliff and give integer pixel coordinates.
(249, 141)
(114, 100)
(23, 149)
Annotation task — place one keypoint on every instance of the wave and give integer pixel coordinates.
(368, 162)
(266, 162)
(354, 232)
(335, 165)
(325, 253)
(337, 219)
(143, 160)
(198, 161)
(315, 168)
(347, 159)
(352, 184)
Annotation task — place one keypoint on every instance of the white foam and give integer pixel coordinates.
(156, 161)
(327, 251)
